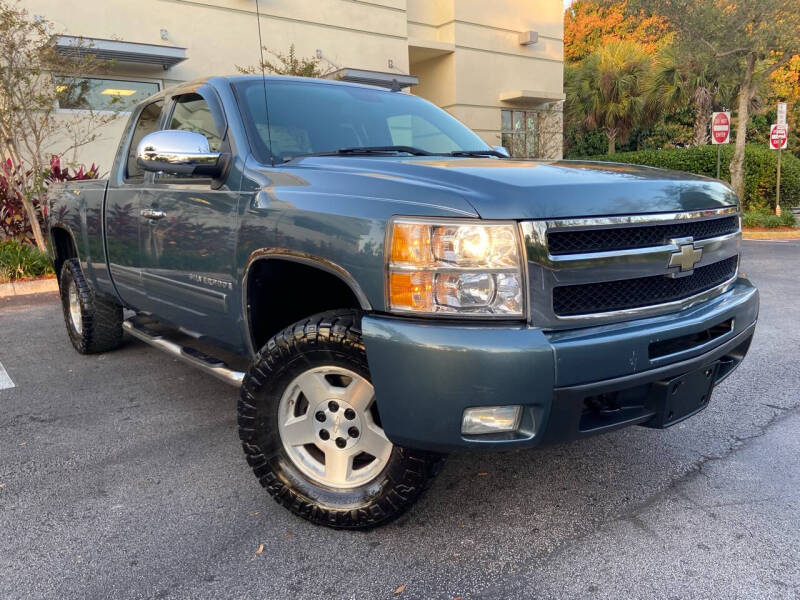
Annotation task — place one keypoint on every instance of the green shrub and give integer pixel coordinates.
(578, 142)
(760, 170)
(21, 261)
(768, 220)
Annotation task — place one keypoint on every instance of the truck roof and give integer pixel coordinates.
(219, 79)
(318, 80)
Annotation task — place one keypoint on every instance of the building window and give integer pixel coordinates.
(89, 93)
(520, 132)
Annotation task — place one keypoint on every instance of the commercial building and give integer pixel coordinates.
(497, 65)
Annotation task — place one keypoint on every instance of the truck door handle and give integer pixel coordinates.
(149, 213)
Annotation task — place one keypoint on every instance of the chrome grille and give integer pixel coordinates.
(643, 291)
(625, 238)
(609, 269)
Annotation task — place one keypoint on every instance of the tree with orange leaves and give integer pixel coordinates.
(589, 24)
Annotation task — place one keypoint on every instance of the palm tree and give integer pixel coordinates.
(680, 79)
(608, 90)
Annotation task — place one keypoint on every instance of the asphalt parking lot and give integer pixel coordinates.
(121, 476)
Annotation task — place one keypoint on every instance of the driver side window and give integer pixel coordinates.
(147, 123)
(192, 113)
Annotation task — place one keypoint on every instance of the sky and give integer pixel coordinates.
(567, 3)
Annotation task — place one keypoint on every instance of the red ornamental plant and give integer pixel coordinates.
(59, 174)
(14, 221)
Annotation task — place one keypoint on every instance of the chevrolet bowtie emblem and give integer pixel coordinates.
(687, 255)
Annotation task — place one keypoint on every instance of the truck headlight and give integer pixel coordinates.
(470, 268)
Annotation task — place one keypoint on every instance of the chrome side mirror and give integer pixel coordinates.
(178, 153)
(502, 150)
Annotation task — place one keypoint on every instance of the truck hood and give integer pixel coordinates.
(515, 189)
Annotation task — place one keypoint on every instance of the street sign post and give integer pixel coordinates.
(778, 140)
(782, 113)
(720, 132)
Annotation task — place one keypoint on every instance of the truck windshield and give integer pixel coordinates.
(317, 118)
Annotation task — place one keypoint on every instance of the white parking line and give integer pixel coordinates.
(5, 380)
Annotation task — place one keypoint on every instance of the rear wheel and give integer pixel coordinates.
(311, 430)
(94, 324)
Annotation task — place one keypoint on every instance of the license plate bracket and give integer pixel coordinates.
(676, 399)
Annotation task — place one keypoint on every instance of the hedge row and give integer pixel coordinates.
(760, 170)
(768, 220)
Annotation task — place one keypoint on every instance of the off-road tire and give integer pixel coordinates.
(101, 318)
(330, 338)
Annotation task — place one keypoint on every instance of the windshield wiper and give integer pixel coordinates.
(416, 151)
(366, 150)
(488, 152)
(383, 150)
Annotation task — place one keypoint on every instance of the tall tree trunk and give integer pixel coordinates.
(745, 95)
(33, 218)
(612, 141)
(701, 119)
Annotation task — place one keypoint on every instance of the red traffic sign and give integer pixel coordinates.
(778, 137)
(720, 127)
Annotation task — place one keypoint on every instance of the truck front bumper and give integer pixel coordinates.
(571, 384)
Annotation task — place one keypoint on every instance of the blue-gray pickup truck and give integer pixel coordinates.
(384, 287)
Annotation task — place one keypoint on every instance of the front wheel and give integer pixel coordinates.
(311, 430)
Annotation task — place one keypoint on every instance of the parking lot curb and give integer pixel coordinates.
(771, 235)
(27, 288)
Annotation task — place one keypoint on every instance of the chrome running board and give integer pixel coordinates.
(196, 358)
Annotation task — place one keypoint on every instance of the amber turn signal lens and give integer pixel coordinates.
(411, 291)
(411, 244)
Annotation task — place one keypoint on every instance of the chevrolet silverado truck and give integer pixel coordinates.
(384, 287)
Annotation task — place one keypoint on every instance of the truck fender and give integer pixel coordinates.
(310, 260)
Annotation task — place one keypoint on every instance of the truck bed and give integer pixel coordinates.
(77, 206)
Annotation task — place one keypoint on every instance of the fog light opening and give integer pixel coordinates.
(603, 404)
(491, 419)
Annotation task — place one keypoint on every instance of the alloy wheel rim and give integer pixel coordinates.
(75, 307)
(327, 424)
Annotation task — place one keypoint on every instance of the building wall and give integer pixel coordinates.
(465, 52)
(489, 60)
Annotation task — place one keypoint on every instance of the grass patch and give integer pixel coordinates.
(768, 220)
(22, 261)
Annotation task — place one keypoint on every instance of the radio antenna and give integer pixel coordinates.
(264, 85)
